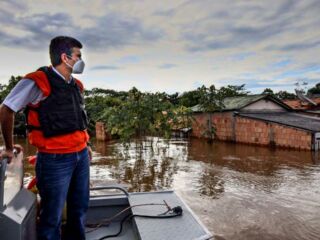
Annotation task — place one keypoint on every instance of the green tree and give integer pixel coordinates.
(268, 91)
(142, 114)
(210, 99)
(283, 95)
(6, 88)
(173, 98)
(314, 90)
(232, 91)
(190, 98)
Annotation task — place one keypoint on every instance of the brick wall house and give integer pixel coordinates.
(259, 119)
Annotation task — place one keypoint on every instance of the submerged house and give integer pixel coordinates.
(259, 119)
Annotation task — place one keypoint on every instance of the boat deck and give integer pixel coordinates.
(182, 227)
(105, 213)
(127, 232)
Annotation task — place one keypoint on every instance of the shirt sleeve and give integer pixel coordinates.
(25, 92)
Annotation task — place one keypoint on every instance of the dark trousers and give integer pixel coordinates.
(61, 178)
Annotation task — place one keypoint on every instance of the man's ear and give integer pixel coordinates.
(63, 57)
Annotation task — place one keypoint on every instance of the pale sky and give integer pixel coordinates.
(171, 46)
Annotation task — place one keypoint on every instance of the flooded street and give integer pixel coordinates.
(238, 191)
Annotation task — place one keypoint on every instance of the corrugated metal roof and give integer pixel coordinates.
(289, 119)
(236, 103)
(232, 103)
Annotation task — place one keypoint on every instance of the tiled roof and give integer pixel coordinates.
(301, 105)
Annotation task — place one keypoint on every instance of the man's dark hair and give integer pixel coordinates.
(62, 44)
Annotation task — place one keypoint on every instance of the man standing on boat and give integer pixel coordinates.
(56, 123)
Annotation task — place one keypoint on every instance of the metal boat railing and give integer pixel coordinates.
(3, 167)
(110, 188)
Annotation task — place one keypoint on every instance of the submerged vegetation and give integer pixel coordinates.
(136, 114)
(133, 113)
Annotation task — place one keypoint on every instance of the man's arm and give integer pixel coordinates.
(23, 93)
(6, 123)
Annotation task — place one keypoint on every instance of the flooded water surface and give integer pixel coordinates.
(238, 191)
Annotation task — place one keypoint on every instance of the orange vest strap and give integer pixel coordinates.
(41, 81)
(80, 85)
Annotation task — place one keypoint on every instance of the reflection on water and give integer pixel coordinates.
(142, 166)
(238, 191)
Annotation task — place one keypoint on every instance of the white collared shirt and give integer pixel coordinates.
(26, 92)
(57, 72)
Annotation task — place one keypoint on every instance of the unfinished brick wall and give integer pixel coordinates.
(199, 124)
(224, 125)
(251, 131)
(265, 133)
(221, 121)
(291, 137)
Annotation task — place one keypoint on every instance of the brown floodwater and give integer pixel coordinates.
(238, 191)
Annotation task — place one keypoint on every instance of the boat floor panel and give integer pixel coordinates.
(185, 227)
(126, 234)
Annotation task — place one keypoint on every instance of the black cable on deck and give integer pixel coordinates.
(176, 211)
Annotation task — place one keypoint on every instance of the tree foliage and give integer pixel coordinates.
(190, 98)
(232, 91)
(143, 114)
(211, 98)
(283, 95)
(314, 90)
(6, 88)
(134, 113)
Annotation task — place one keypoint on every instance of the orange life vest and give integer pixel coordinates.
(66, 143)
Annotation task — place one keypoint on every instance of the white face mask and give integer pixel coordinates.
(78, 67)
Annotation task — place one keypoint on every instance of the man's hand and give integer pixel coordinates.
(6, 123)
(9, 153)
